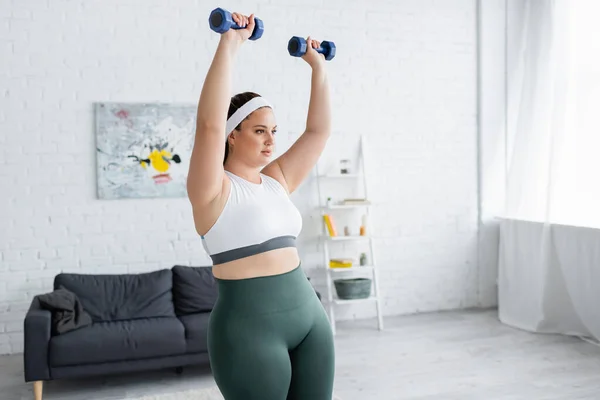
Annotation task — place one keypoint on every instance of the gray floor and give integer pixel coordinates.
(452, 355)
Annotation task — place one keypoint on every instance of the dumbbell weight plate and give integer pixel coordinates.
(329, 49)
(216, 19)
(221, 21)
(297, 46)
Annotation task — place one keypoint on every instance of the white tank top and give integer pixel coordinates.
(256, 218)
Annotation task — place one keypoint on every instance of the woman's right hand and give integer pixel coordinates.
(240, 35)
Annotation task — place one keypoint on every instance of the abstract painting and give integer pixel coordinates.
(143, 149)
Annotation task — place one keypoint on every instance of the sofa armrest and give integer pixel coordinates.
(37, 333)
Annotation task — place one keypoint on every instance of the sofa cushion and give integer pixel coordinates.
(196, 330)
(194, 289)
(118, 341)
(122, 296)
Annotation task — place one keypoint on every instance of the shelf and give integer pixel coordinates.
(342, 206)
(347, 238)
(352, 269)
(336, 204)
(368, 299)
(337, 176)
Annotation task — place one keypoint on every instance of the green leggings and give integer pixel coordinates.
(269, 338)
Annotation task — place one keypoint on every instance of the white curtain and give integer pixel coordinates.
(549, 254)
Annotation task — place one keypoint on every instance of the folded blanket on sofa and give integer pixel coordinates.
(67, 311)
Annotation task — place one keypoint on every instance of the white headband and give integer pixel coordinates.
(244, 111)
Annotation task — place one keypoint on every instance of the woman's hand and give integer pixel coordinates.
(312, 57)
(240, 35)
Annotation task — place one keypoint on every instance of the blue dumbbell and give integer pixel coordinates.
(221, 21)
(297, 47)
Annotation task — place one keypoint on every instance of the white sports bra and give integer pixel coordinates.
(256, 218)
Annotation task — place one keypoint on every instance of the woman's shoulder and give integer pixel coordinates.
(273, 174)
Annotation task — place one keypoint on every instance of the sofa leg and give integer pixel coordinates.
(37, 389)
(179, 370)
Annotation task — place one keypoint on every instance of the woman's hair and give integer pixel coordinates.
(236, 102)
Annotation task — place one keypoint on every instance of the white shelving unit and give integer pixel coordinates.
(327, 240)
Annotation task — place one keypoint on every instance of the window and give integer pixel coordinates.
(552, 158)
(582, 138)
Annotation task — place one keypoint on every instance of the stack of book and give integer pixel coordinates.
(330, 224)
(340, 263)
(356, 202)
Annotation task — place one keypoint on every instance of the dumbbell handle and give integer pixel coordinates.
(236, 26)
(321, 50)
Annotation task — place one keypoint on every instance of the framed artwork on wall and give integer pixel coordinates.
(143, 149)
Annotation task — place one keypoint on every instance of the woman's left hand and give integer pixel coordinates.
(312, 57)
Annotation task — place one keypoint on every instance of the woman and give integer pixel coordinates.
(269, 337)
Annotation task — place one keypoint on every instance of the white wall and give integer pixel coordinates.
(405, 76)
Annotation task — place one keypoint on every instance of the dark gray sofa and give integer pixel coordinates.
(138, 322)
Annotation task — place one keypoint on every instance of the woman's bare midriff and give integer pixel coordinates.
(273, 262)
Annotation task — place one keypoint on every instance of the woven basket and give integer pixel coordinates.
(350, 289)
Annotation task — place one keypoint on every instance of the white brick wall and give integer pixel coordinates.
(404, 76)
